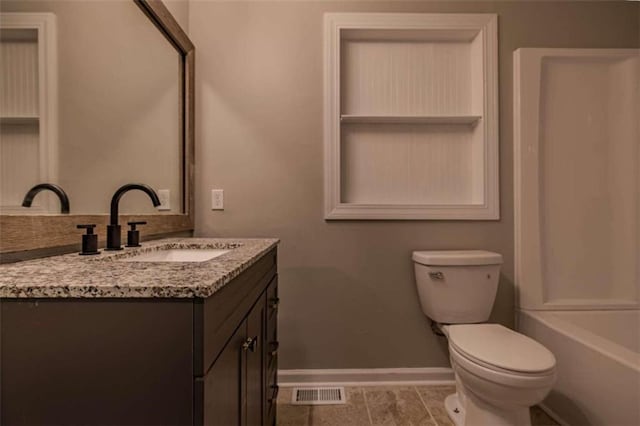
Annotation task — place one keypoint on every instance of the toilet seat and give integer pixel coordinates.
(504, 377)
(498, 348)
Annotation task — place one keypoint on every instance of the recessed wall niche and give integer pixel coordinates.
(411, 116)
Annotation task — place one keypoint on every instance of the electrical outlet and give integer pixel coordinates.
(217, 199)
(165, 199)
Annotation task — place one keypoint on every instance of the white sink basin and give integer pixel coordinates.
(176, 255)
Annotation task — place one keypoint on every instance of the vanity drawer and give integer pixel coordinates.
(216, 317)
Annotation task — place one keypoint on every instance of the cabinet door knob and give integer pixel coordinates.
(250, 344)
(275, 302)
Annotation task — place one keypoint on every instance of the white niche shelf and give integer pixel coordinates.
(410, 119)
(411, 116)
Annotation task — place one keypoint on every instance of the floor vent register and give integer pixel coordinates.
(318, 396)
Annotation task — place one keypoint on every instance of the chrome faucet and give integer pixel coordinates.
(64, 200)
(113, 229)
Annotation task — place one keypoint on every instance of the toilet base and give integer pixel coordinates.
(454, 409)
(477, 413)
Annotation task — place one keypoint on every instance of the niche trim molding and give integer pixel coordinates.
(362, 104)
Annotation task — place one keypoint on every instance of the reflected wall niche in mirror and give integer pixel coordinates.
(94, 95)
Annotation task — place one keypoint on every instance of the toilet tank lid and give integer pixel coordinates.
(457, 257)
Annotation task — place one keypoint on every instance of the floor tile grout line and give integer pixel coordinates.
(366, 404)
(310, 415)
(415, 388)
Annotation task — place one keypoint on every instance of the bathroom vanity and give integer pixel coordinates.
(121, 339)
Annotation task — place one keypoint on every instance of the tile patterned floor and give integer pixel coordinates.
(381, 405)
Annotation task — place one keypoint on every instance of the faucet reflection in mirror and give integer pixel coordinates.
(64, 199)
(114, 229)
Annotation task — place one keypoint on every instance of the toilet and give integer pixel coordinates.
(499, 373)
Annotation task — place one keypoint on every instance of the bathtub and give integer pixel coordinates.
(598, 364)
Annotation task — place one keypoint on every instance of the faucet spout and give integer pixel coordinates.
(113, 229)
(64, 199)
(115, 200)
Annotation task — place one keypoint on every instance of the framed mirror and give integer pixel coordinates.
(99, 98)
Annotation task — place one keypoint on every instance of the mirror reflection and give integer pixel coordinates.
(90, 100)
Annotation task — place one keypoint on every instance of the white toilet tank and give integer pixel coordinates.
(456, 286)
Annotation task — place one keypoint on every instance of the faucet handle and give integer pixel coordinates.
(89, 228)
(89, 240)
(133, 235)
(133, 224)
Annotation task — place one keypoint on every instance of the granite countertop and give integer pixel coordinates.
(104, 275)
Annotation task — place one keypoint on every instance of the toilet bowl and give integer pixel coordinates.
(499, 373)
(502, 373)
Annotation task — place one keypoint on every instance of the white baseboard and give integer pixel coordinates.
(367, 377)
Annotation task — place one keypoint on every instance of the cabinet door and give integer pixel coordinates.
(255, 364)
(103, 361)
(234, 386)
(223, 384)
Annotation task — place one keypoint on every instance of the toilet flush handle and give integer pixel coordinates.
(436, 275)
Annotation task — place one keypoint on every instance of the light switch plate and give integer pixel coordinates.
(165, 199)
(217, 199)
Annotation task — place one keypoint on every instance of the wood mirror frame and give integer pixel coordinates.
(31, 236)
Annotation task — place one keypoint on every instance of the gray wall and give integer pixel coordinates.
(347, 288)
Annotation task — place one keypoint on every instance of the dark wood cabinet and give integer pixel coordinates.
(271, 353)
(221, 391)
(233, 391)
(255, 373)
(144, 361)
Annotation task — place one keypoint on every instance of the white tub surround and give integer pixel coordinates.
(576, 191)
(577, 225)
(598, 380)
